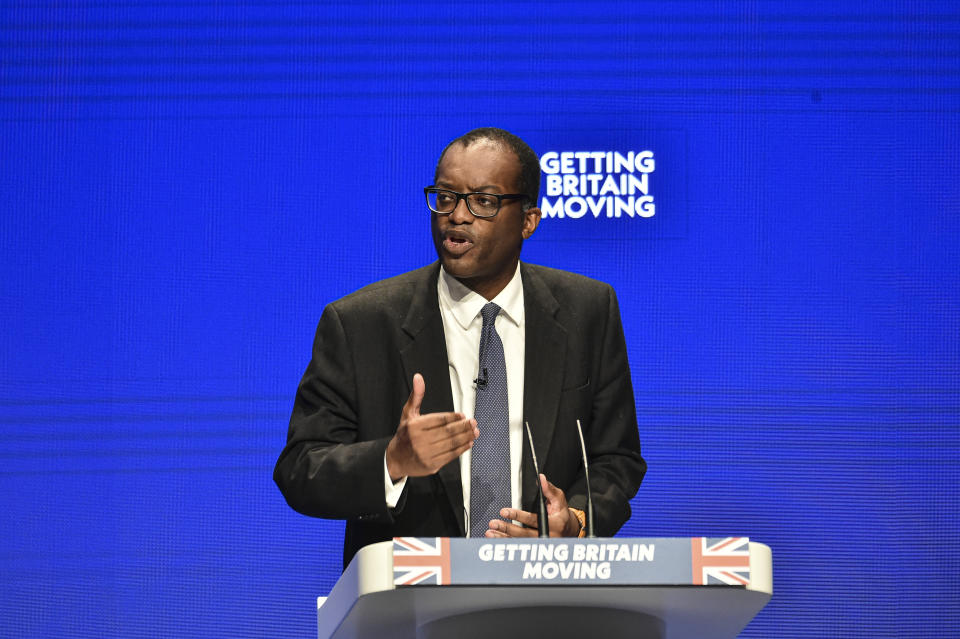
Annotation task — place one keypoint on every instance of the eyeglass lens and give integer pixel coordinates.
(480, 204)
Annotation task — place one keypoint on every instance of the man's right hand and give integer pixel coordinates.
(423, 444)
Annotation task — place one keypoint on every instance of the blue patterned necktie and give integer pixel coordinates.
(490, 457)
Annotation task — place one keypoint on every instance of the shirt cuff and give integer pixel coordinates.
(393, 491)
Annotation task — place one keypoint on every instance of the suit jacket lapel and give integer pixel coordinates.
(426, 353)
(546, 346)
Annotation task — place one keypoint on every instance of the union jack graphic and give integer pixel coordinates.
(421, 561)
(721, 560)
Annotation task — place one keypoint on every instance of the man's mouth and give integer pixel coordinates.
(456, 243)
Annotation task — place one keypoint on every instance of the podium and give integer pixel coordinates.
(644, 588)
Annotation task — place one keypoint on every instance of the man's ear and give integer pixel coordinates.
(531, 219)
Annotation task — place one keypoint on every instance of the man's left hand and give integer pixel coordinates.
(563, 523)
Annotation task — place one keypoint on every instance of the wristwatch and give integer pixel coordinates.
(582, 518)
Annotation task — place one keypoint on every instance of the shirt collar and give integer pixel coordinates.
(465, 304)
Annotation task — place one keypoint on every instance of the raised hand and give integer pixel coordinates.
(423, 444)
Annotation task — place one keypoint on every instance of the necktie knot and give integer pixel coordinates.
(489, 313)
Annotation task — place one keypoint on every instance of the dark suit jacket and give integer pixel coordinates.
(369, 345)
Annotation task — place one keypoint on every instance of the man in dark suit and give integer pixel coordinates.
(382, 433)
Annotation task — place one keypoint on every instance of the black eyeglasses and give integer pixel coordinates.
(444, 201)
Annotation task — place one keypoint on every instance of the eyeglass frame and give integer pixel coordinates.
(427, 190)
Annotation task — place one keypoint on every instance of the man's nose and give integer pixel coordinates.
(461, 214)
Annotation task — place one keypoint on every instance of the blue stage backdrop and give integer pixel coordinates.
(185, 184)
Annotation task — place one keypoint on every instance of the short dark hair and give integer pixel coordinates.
(529, 181)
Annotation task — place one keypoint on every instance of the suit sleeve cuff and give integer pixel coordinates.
(393, 491)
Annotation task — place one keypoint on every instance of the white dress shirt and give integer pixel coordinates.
(460, 310)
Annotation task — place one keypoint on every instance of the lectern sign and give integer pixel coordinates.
(442, 561)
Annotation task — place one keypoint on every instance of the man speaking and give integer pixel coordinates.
(409, 420)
